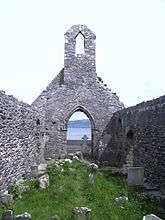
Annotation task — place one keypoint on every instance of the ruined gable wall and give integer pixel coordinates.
(141, 127)
(77, 88)
(61, 101)
(19, 139)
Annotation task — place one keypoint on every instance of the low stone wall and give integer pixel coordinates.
(136, 136)
(19, 139)
(79, 145)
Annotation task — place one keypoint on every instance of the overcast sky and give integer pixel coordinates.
(130, 44)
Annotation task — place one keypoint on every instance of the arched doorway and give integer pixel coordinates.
(80, 127)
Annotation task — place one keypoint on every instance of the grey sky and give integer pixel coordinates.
(130, 44)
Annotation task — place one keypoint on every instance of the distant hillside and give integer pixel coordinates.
(84, 123)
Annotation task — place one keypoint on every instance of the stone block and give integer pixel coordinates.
(82, 213)
(121, 200)
(42, 167)
(90, 180)
(43, 181)
(151, 217)
(22, 216)
(5, 199)
(135, 176)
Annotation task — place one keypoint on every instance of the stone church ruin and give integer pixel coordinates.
(134, 136)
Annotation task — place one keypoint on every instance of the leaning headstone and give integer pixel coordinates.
(8, 215)
(90, 180)
(135, 176)
(82, 213)
(5, 199)
(151, 217)
(121, 200)
(22, 216)
(43, 181)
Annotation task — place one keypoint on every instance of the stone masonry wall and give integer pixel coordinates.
(140, 131)
(19, 139)
(76, 88)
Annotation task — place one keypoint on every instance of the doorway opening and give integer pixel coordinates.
(79, 133)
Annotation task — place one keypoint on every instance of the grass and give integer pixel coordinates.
(68, 190)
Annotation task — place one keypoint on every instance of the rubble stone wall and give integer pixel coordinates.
(19, 139)
(139, 130)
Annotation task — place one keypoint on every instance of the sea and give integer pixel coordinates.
(78, 133)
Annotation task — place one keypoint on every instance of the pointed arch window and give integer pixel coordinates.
(80, 43)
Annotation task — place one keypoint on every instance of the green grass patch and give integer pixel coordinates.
(68, 190)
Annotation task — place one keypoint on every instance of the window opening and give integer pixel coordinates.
(80, 44)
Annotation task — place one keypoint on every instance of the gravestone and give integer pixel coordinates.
(43, 181)
(8, 215)
(90, 180)
(82, 213)
(85, 145)
(135, 176)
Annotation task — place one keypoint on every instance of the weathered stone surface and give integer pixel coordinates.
(141, 130)
(43, 181)
(19, 139)
(7, 215)
(69, 161)
(121, 200)
(5, 199)
(23, 189)
(70, 155)
(135, 176)
(82, 213)
(59, 168)
(90, 180)
(42, 167)
(151, 217)
(75, 158)
(79, 154)
(22, 216)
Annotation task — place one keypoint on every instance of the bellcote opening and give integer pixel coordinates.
(80, 43)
